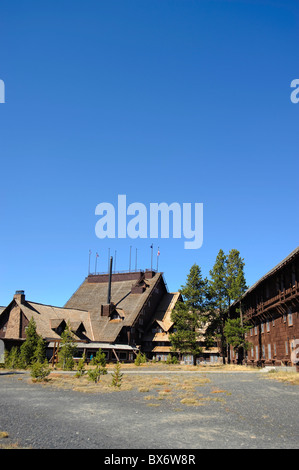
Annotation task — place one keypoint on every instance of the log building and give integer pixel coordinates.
(119, 313)
(271, 307)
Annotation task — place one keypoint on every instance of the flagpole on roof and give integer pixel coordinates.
(130, 259)
(95, 267)
(108, 259)
(89, 262)
(158, 254)
(152, 246)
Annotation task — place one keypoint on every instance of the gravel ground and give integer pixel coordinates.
(254, 413)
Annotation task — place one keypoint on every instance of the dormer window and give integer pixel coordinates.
(58, 325)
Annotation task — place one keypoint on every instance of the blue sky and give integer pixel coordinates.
(164, 101)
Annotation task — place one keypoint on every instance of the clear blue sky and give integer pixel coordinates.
(164, 101)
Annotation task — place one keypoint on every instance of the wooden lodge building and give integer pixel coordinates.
(116, 312)
(271, 306)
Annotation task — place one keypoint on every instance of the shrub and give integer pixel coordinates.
(12, 358)
(117, 376)
(81, 367)
(67, 349)
(95, 374)
(39, 370)
(99, 359)
(140, 359)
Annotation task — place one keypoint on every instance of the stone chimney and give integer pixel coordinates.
(20, 296)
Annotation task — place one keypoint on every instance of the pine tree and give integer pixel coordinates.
(81, 367)
(67, 349)
(117, 376)
(234, 332)
(40, 351)
(99, 358)
(236, 283)
(227, 284)
(188, 315)
(12, 358)
(28, 348)
(39, 370)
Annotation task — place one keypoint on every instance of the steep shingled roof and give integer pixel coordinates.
(92, 294)
(47, 317)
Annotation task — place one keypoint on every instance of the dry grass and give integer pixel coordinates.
(287, 377)
(183, 367)
(174, 389)
(5, 443)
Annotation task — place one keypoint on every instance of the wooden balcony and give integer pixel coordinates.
(279, 301)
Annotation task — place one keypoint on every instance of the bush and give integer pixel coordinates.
(67, 349)
(95, 374)
(39, 370)
(140, 359)
(99, 359)
(12, 358)
(117, 376)
(81, 367)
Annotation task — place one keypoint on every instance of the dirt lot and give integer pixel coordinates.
(155, 408)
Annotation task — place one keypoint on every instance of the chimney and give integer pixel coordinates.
(109, 282)
(20, 296)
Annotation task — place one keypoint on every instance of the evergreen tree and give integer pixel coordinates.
(39, 370)
(227, 284)
(99, 359)
(81, 367)
(28, 348)
(40, 351)
(234, 333)
(12, 358)
(195, 292)
(188, 315)
(67, 349)
(140, 359)
(236, 283)
(117, 376)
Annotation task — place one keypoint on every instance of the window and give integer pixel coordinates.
(252, 353)
(263, 351)
(274, 348)
(273, 322)
(268, 325)
(255, 330)
(251, 331)
(284, 317)
(256, 352)
(262, 327)
(290, 318)
(269, 351)
(286, 347)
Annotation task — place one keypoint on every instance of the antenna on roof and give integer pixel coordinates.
(130, 259)
(152, 246)
(95, 267)
(109, 283)
(158, 254)
(89, 263)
